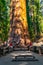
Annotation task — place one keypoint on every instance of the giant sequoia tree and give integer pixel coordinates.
(18, 23)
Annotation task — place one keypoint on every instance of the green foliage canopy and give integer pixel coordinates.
(4, 20)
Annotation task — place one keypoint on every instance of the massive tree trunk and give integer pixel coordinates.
(18, 23)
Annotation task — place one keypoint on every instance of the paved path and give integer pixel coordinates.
(7, 60)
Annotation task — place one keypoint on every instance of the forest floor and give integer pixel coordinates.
(7, 60)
